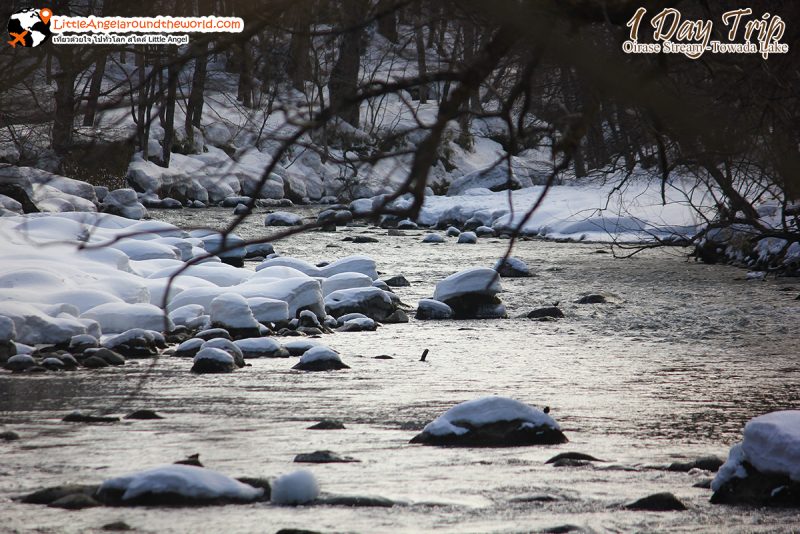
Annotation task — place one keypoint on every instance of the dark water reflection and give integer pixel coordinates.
(672, 371)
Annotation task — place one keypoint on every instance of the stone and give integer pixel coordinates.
(54, 493)
(78, 417)
(433, 238)
(20, 362)
(396, 317)
(591, 299)
(76, 501)
(548, 311)
(327, 424)
(452, 231)
(94, 362)
(573, 456)
(759, 489)
(323, 457)
(468, 238)
(364, 239)
(499, 434)
(397, 281)
(211, 333)
(706, 463)
(213, 360)
(9, 435)
(356, 501)
(117, 526)
(143, 414)
(484, 231)
(512, 268)
(111, 357)
(658, 502)
(429, 309)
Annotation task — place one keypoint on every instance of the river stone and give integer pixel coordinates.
(759, 489)
(54, 493)
(452, 231)
(356, 501)
(484, 231)
(327, 424)
(213, 360)
(189, 348)
(433, 309)
(20, 362)
(143, 414)
(10, 435)
(658, 502)
(323, 457)
(706, 463)
(499, 434)
(321, 365)
(397, 281)
(433, 238)
(111, 357)
(549, 311)
(573, 456)
(117, 526)
(211, 333)
(76, 501)
(94, 362)
(257, 482)
(512, 268)
(468, 238)
(82, 342)
(397, 316)
(53, 364)
(571, 462)
(593, 298)
(78, 417)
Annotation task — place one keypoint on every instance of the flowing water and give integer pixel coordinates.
(670, 370)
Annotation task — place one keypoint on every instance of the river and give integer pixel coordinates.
(671, 370)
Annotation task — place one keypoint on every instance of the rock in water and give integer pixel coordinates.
(212, 360)
(594, 298)
(472, 294)
(320, 358)
(573, 456)
(512, 268)
(397, 281)
(143, 414)
(327, 424)
(491, 422)
(370, 301)
(78, 417)
(658, 502)
(764, 469)
(468, 238)
(549, 311)
(433, 238)
(323, 457)
(706, 463)
(231, 312)
(433, 309)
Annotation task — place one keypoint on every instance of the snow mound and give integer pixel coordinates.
(299, 487)
(230, 310)
(351, 264)
(267, 310)
(345, 281)
(188, 481)
(771, 444)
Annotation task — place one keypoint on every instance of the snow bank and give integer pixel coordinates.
(771, 444)
(185, 480)
(581, 212)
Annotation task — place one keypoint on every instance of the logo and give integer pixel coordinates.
(30, 27)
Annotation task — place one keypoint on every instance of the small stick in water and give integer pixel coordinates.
(424, 355)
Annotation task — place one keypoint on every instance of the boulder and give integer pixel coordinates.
(283, 218)
(433, 309)
(323, 457)
(213, 360)
(231, 312)
(370, 301)
(491, 422)
(472, 294)
(658, 502)
(228, 346)
(320, 358)
(433, 238)
(512, 268)
(261, 347)
(547, 312)
(468, 238)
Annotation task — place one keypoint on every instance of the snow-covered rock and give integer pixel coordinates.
(433, 309)
(433, 238)
(177, 484)
(351, 264)
(267, 310)
(320, 358)
(231, 312)
(344, 281)
(283, 218)
(261, 347)
(34, 326)
(115, 318)
(299, 487)
(370, 301)
(472, 293)
(135, 343)
(125, 203)
(495, 178)
(764, 469)
(185, 314)
(298, 347)
(467, 238)
(213, 360)
(189, 348)
(491, 422)
(512, 267)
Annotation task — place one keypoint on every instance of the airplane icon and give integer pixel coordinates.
(18, 38)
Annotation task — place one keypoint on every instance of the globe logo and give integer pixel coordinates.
(29, 27)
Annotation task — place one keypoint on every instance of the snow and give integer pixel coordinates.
(351, 264)
(220, 274)
(184, 314)
(771, 444)
(584, 211)
(267, 310)
(294, 263)
(299, 487)
(475, 280)
(283, 218)
(256, 347)
(7, 330)
(216, 354)
(319, 353)
(137, 249)
(186, 480)
(232, 311)
(34, 326)
(486, 410)
(116, 317)
(344, 281)
(124, 202)
(277, 272)
(130, 335)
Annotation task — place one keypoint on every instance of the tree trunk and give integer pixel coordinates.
(64, 115)
(344, 76)
(94, 90)
(422, 67)
(387, 19)
(195, 100)
(169, 115)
